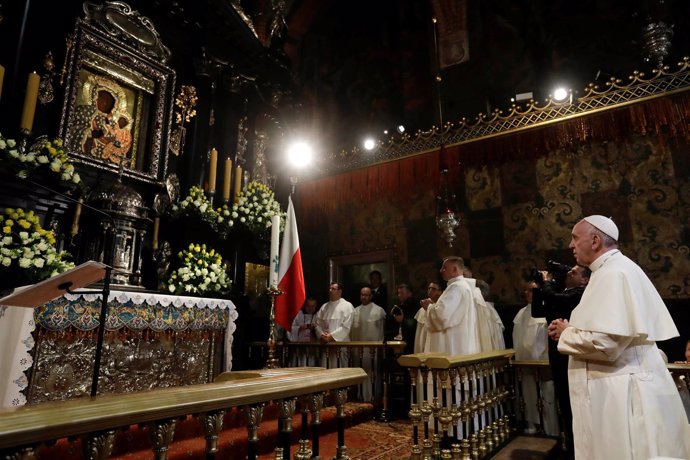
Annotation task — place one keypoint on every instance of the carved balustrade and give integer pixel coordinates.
(461, 405)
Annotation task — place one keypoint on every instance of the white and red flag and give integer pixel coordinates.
(290, 275)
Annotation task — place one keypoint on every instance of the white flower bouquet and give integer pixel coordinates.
(46, 155)
(254, 208)
(202, 272)
(28, 250)
(196, 205)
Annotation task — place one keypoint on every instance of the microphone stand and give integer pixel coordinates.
(105, 291)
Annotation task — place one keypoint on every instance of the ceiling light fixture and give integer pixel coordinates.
(300, 154)
(369, 144)
(560, 94)
(401, 129)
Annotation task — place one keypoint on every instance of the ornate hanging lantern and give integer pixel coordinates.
(447, 219)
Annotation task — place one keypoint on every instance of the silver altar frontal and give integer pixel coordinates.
(151, 341)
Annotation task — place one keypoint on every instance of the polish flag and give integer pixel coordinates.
(290, 275)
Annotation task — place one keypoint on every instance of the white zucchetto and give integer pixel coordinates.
(605, 224)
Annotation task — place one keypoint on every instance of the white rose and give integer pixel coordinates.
(7, 240)
(3, 144)
(11, 143)
(259, 220)
(14, 153)
(203, 207)
(6, 261)
(39, 262)
(65, 176)
(43, 159)
(55, 165)
(171, 288)
(24, 263)
(75, 178)
(24, 235)
(50, 258)
(42, 246)
(31, 156)
(242, 219)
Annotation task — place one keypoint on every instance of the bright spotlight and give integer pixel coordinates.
(300, 154)
(560, 94)
(369, 144)
(401, 129)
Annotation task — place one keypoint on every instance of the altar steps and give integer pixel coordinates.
(188, 443)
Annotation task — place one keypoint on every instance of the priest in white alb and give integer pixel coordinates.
(625, 404)
(333, 323)
(367, 325)
(451, 322)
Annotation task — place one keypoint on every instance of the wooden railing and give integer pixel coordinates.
(95, 420)
(464, 409)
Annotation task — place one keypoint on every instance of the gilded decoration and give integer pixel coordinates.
(151, 341)
(613, 94)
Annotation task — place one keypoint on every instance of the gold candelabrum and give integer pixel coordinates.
(272, 361)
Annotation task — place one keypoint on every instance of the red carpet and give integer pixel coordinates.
(367, 441)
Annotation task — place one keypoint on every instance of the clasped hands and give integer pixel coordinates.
(556, 328)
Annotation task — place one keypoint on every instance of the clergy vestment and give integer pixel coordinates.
(303, 356)
(489, 323)
(530, 341)
(451, 322)
(335, 318)
(624, 401)
(367, 325)
(420, 333)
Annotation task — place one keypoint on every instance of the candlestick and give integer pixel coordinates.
(2, 78)
(213, 165)
(30, 98)
(156, 227)
(238, 181)
(227, 178)
(273, 262)
(77, 215)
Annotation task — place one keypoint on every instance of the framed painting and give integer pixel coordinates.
(353, 271)
(118, 98)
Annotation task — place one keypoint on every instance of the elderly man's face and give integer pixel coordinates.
(582, 243)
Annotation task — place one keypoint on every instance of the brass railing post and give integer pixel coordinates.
(315, 405)
(340, 400)
(213, 424)
(253, 415)
(98, 446)
(161, 434)
(286, 409)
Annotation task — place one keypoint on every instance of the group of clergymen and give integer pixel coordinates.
(623, 400)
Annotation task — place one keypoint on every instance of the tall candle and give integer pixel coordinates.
(156, 227)
(227, 178)
(273, 263)
(77, 215)
(2, 78)
(213, 165)
(238, 181)
(30, 102)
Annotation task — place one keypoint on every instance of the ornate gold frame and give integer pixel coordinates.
(107, 56)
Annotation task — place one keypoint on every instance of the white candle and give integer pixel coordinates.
(273, 262)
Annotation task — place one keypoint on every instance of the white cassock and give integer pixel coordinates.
(451, 325)
(367, 325)
(302, 356)
(624, 401)
(335, 318)
(530, 341)
(451, 322)
(489, 323)
(420, 333)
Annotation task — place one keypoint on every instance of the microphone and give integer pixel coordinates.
(108, 259)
